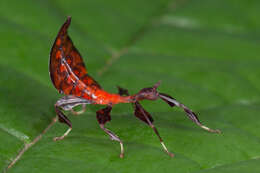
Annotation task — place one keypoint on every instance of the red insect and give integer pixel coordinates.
(70, 77)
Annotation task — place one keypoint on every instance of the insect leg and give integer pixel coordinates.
(192, 116)
(62, 119)
(67, 103)
(145, 116)
(79, 112)
(103, 116)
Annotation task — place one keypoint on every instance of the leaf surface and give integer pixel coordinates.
(206, 55)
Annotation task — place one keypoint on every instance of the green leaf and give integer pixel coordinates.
(205, 53)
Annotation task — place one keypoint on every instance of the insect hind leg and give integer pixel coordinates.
(67, 103)
(63, 119)
(79, 112)
(58, 138)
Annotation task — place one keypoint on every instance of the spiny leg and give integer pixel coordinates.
(114, 137)
(145, 116)
(192, 116)
(62, 119)
(67, 103)
(103, 116)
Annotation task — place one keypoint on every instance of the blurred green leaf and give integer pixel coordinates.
(205, 53)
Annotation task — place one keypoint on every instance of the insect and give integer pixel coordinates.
(70, 77)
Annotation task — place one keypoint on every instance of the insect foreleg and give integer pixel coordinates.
(145, 116)
(192, 116)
